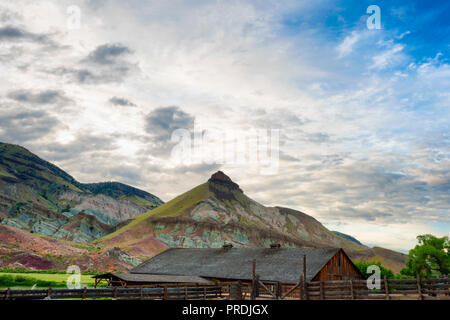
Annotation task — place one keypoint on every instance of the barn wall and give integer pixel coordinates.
(340, 267)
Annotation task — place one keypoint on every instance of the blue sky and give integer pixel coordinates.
(422, 26)
(427, 22)
(363, 114)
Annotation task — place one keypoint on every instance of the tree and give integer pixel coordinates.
(363, 265)
(430, 258)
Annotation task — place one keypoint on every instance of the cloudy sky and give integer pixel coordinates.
(362, 114)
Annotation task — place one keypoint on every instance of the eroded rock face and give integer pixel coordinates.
(90, 218)
(106, 209)
(122, 256)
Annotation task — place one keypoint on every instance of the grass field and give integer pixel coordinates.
(43, 280)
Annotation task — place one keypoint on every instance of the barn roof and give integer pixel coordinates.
(274, 264)
(156, 278)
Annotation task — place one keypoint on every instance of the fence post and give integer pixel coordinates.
(8, 294)
(386, 288)
(446, 282)
(302, 286)
(84, 293)
(279, 290)
(419, 287)
(322, 295)
(236, 291)
(49, 292)
(304, 267)
(115, 293)
(165, 293)
(305, 288)
(257, 286)
(352, 293)
(254, 284)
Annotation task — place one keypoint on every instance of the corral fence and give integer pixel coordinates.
(387, 289)
(166, 293)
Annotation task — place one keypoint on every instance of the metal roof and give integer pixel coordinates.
(274, 264)
(157, 278)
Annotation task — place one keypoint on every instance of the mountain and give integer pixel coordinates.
(50, 220)
(346, 236)
(219, 212)
(39, 197)
(22, 249)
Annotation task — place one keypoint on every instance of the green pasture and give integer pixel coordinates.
(42, 280)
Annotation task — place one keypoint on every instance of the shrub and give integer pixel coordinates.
(363, 265)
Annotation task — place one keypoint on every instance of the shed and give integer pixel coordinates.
(149, 280)
(276, 264)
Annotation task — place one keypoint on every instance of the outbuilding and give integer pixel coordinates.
(130, 280)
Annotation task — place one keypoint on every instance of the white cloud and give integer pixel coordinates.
(346, 46)
(401, 237)
(359, 143)
(387, 57)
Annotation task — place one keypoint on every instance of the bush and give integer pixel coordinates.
(363, 265)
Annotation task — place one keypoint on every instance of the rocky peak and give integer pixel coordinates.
(221, 178)
(222, 185)
(219, 175)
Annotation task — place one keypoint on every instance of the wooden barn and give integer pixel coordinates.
(275, 264)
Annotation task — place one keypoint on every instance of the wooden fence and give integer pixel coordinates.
(166, 293)
(388, 289)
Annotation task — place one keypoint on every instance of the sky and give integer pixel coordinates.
(358, 116)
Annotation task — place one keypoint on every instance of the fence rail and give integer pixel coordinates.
(389, 289)
(166, 293)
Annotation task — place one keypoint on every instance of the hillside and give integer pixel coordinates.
(37, 196)
(218, 211)
(348, 237)
(22, 249)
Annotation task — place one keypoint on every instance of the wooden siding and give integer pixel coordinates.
(339, 267)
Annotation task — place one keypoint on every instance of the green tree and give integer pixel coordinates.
(430, 258)
(363, 265)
